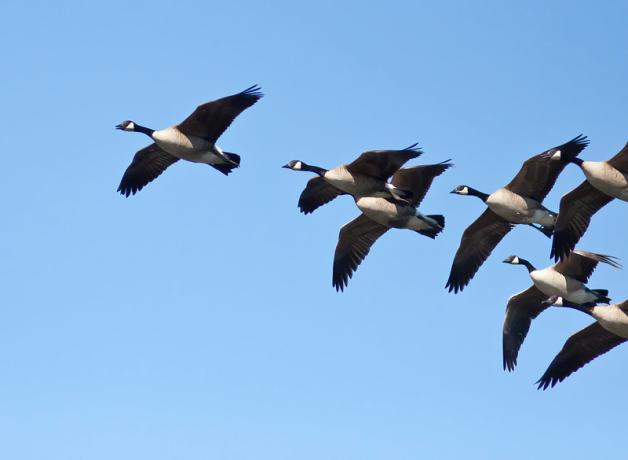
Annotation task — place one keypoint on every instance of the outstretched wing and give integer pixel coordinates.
(354, 243)
(576, 209)
(211, 119)
(478, 241)
(620, 161)
(581, 348)
(581, 264)
(539, 173)
(317, 192)
(522, 308)
(146, 166)
(418, 179)
(382, 163)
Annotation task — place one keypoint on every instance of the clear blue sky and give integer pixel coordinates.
(196, 320)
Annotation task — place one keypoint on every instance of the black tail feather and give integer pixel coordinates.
(234, 157)
(602, 295)
(432, 232)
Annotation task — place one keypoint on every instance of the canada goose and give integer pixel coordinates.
(519, 202)
(379, 214)
(609, 330)
(194, 139)
(605, 180)
(565, 279)
(365, 176)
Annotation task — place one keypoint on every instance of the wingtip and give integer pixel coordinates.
(575, 145)
(255, 91)
(415, 149)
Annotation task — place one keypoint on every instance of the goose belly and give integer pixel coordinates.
(185, 147)
(612, 319)
(355, 184)
(517, 209)
(383, 211)
(550, 282)
(607, 179)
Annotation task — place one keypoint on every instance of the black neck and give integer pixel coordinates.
(576, 161)
(143, 129)
(528, 265)
(314, 169)
(480, 195)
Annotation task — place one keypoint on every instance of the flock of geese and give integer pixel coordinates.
(388, 196)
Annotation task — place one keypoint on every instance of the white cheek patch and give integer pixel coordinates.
(515, 260)
(130, 127)
(298, 165)
(464, 191)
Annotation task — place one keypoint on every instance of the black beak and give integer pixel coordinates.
(286, 166)
(453, 191)
(506, 261)
(119, 126)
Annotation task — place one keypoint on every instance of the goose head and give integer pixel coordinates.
(513, 260)
(127, 125)
(462, 190)
(295, 165)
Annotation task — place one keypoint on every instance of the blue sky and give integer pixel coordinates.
(197, 318)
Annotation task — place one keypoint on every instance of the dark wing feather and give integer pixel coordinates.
(576, 209)
(623, 306)
(478, 241)
(522, 308)
(382, 163)
(581, 348)
(620, 161)
(146, 166)
(354, 242)
(317, 192)
(539, 173)
(418, 179)
(211, 119)
(581, 264)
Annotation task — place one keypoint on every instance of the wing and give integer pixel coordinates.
(581, 348)
(539, 173)
(210, 120)
(581, 264)
(382, 163)
(354, 242)
(620, 161)
(576, 209)
(623, 306)
(418, 179)
(522, 308)
(478, 241)
(317, 192)
(146, 166)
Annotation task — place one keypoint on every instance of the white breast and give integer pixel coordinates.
(607, 179)
(379, 209)
(512, 207)
(550, 282)
(178, 144)
(613, 319)
(342, 179)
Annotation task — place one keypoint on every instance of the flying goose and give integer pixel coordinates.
(605, 180)
(365, 176)
(519, 202)
(380, 214)
(609, 330)
(565, 279)
(194, 139)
